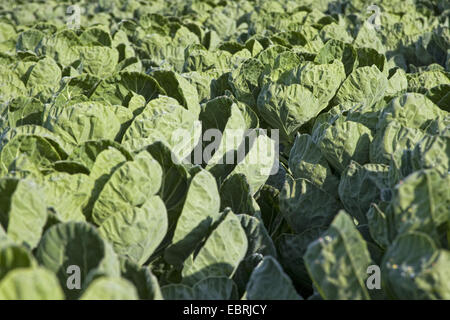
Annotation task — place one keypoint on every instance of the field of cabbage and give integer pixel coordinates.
(212, 149)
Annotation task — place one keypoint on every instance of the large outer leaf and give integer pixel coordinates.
(22, 211)
(391, 142)
(37, 149)
(306, 161)
(142, 278)
(108, 288)
(79, 244)
(291, 249)
(381, 230)
(258, 238)
(118, 87)
(284, 62)
(87, 152)
(137, 231)
(440, 95)
(436, 280)
(131, 184)
(214, 288)
(211, 288)
(14, 257)
(306, 206)
(244, 81)
(420, 81)
(362, 185)
(369, 57)
(200, 210)
(287, 108)
(225, 116)
(61, 147)
(244, 271)
(106, 163)
(397, 83)
(30, 284)
(365, 85)
(179, 88)
(68, 194)
(413, 268)
(63, 47)
(174, 182)
(98, 61)
(259, 163)
(322, 80)
(421, 202)
(96, 36)
(221, 253)
(235, 193)
(432, 152)
(164, 119)
(338, 50)
(412, 110)
(44, 77)
(14, 85)
(337, 261)
(83, 121)
(269, 282)
(25, 110)
(343, 141)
